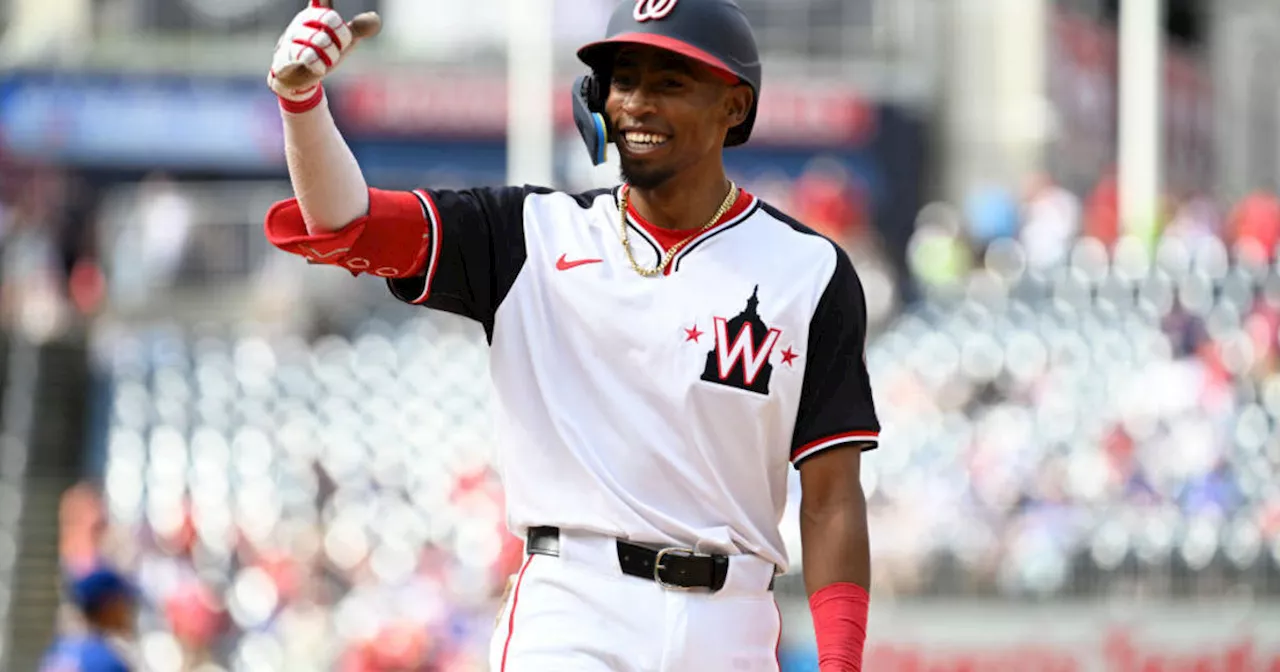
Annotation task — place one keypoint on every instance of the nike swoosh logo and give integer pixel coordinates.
(563, 265)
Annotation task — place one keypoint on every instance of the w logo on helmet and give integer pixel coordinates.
(653, 10)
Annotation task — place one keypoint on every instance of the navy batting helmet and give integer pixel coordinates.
(713, 32)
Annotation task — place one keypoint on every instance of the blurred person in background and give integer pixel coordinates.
(102, 639)
(1102, 210)
(829, 201)
(1254, 225)
(828, 198)
(83, 521)
(991, 212)
(1195, 218)
(34, 265)
(1051, 221)
(773, 186)
(939, 254)
(166, 219)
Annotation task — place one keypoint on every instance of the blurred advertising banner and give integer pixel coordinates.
(803, 115)
(141, 121)
(208, 16)
(1083, 88)
(234, 124)
(1007, 637)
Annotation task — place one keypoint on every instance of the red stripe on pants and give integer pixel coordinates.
(511, 618)
(777, 646)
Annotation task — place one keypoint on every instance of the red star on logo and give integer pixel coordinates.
(692, 334)
(788, 356)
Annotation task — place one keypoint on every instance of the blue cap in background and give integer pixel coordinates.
(91, 591)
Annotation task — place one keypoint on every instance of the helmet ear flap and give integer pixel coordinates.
(596, 91)
(588, 115)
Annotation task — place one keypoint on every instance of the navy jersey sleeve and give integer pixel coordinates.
(477, 248)
(836, 404)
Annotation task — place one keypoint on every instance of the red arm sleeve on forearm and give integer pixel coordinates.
(840, 624)
(392, 241)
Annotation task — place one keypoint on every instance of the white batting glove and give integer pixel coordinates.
(311, 47)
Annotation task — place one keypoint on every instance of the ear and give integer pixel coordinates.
(738, 102)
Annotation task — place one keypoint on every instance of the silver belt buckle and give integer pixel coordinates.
(658, 566)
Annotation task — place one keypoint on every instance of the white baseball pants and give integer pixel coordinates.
(579, 613)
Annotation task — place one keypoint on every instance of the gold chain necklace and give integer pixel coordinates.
(729, 200)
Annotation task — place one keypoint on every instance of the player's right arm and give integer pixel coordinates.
(327, 181)
(458, 251)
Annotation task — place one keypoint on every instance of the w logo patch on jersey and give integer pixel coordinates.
(742, 347)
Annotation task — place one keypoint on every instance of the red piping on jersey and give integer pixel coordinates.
(511, 618)
(434, 231)
(863, 434)
(777, 646)
(667, 238)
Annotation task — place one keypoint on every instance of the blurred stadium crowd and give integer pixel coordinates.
(1082, 411)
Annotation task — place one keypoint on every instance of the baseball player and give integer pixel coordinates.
(661, 352)
(107, 603)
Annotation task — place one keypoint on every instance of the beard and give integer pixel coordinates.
(644, 177)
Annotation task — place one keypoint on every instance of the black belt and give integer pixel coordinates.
(669, 567)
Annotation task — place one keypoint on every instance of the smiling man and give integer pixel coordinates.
(662, 352)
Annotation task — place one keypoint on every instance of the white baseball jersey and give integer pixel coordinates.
(663, 410)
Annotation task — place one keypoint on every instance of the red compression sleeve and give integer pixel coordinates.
(392, 241)
(840, 623)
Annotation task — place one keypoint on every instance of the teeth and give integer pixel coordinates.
(638, 138)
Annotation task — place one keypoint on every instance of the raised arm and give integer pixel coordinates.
(336, 219)
(327, 181)
(453, 250)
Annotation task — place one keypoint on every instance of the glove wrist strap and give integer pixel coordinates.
(305, 105)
